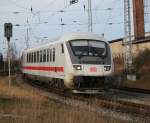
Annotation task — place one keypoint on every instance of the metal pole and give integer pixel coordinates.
(27, 41)
(8, 34)
(27, 38)
(127, 42)
(8, 39)
(90, 26)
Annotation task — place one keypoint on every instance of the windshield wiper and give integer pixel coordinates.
(84, 50)
(81, 55)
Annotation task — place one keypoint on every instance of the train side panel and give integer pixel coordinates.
(53, 68)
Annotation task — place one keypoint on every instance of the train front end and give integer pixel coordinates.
(91, 64)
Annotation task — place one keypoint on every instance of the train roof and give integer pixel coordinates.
(71, 36)
(81, 35)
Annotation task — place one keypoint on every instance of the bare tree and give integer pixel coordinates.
(13, 56)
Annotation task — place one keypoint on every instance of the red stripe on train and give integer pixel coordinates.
(41, 68)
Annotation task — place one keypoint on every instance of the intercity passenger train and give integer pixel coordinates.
(79, 62)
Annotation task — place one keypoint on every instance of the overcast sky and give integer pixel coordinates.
(46, 17)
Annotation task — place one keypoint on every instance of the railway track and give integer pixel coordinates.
(138, 90)
(98, 102)
(133, 108)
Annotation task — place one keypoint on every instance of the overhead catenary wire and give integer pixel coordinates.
(81, 24)
(47, 15)
(17, 5)
(79, 10)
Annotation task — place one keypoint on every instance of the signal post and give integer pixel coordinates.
(8, 35)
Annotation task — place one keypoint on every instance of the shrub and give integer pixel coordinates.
(142, 63)
(142, 58)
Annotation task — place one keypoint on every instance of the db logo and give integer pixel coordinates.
(93, 69)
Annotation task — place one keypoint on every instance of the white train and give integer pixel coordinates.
(78, 61)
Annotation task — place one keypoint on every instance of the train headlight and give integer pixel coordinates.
(77, 67)
(107, 68)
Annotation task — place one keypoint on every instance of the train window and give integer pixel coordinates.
(22, 58)
(48, 55)
(31, 57)
(53, 54)
(27, 57)
(38, 56)
(34, 57)
(89, 48)
(44, 55)
(62, 48)
(41, 58)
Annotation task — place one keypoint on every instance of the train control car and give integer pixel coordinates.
(79, 62)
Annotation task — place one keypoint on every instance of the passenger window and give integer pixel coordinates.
(26, 58)
(53, 54)
(50, 55)
(62, 48)
(41, 58)
(44, 55)
(29, 57)
(34, 57)
(38, 56)
(47, 55)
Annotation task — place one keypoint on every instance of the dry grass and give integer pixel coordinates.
(17, 92)
(27, 106)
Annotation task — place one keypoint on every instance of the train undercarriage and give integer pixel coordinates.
(81, 84)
